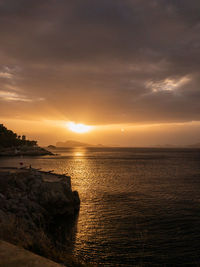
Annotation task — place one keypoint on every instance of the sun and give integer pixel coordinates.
(78, 127)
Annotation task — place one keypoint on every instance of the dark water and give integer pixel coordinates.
(138, 206)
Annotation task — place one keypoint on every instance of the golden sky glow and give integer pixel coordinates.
(51, 131)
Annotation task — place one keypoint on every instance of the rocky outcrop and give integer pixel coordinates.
(24, 151)
(36, 198)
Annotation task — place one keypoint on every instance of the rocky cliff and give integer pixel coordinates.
(33, 207)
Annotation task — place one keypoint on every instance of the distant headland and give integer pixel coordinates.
(12, 144)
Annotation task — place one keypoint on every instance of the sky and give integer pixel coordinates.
(128, 68)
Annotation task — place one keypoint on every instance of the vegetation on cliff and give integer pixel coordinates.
(10, 139)
(12, 144)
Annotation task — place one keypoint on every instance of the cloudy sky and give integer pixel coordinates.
(129, 67)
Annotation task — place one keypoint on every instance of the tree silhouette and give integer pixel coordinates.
(10, 139)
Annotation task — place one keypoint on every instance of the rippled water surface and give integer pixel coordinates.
(138, 206)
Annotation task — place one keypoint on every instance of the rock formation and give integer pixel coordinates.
(36, 199)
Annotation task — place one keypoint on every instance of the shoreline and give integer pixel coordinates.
(38, 212)
(24, 151)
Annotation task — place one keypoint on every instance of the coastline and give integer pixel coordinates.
(38, 212)
(24, 151)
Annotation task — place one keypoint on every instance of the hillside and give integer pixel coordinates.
(12, 144)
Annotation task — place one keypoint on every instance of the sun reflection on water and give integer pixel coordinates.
(78, 154)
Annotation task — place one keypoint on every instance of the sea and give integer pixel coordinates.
(139, 206)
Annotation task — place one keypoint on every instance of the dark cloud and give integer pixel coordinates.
(100, 61)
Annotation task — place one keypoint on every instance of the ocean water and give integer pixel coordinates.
(139, 207)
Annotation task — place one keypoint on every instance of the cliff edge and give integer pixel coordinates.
(33, 207)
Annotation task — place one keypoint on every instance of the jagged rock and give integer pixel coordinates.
(31, 196)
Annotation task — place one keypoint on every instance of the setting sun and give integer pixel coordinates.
(78, 127)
